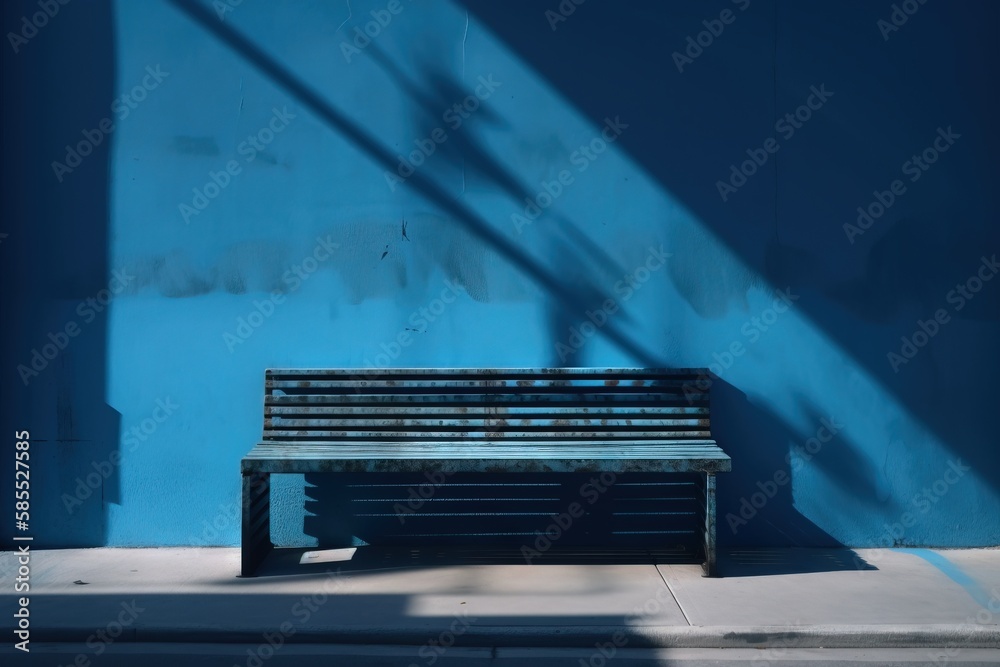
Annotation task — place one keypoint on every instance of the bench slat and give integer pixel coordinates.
(464, 454)
(515, 465)
(536, 449)
(553, 411)
(462, 422)
(490, 449)
(570, 390)
(482, 372)
(640, 399)
(408, 436)
(496, 385)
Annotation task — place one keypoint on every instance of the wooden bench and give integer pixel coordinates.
(617, 420)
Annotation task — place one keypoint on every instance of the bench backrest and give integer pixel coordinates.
(423, 404)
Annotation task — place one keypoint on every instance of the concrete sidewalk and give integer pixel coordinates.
(108, 601)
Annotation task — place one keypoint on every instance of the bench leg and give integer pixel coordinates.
(256, 539)
(709, 565)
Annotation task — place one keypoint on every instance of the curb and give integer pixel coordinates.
(765, 636)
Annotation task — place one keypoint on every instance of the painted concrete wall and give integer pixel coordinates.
(578, 156)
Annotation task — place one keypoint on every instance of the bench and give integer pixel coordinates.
(617, 420)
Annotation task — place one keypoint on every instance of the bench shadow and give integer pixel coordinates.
(305, 560)
(766, 561)
(752, 562)
(758, 444)
(760, 531)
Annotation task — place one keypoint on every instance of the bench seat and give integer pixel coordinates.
(524, 455)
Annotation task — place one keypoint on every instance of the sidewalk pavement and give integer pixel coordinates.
(430, 607)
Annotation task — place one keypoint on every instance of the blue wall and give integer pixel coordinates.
(240, 228)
